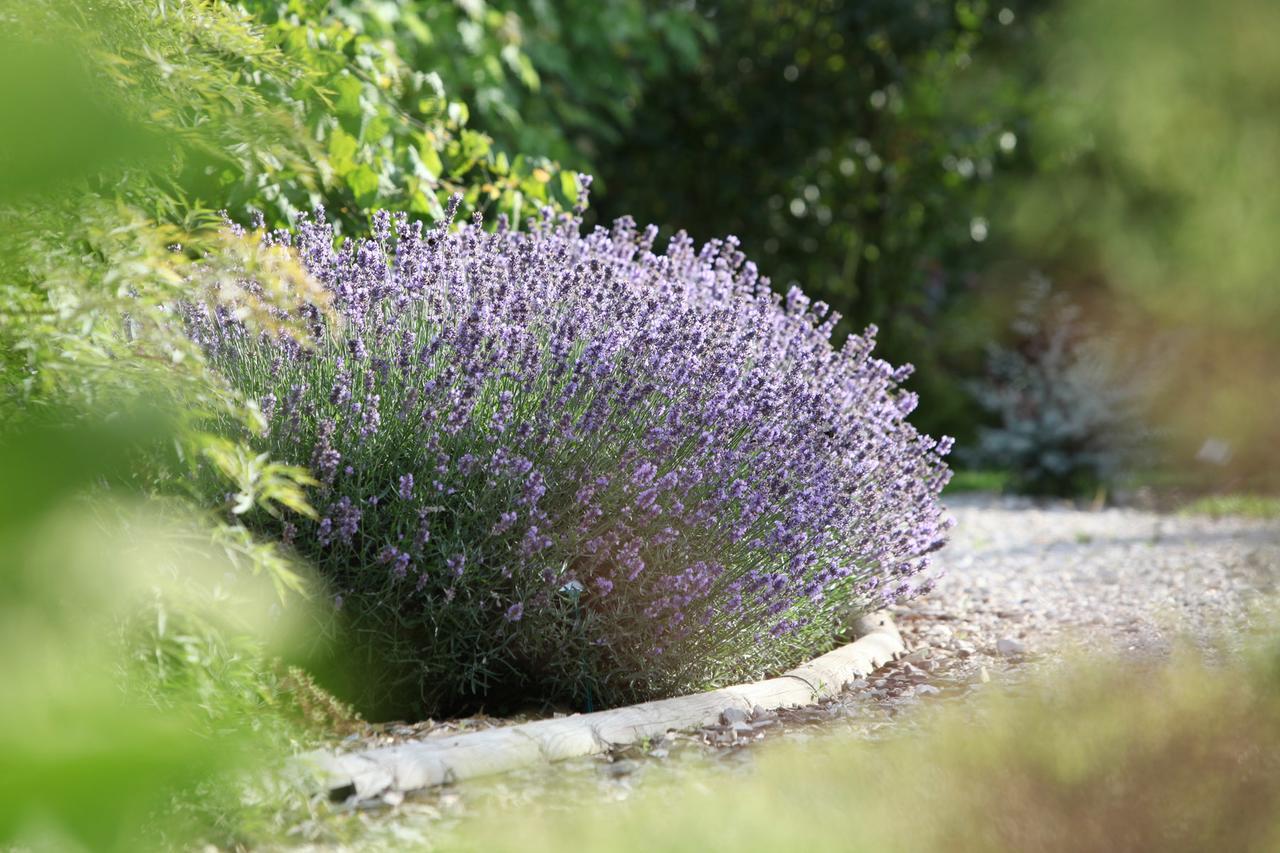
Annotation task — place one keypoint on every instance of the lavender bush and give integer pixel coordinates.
(563, 467)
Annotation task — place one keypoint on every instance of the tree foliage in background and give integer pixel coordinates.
(395, 133)
(854, 148)
(561, 78)
(1156, 144)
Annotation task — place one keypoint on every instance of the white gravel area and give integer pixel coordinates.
(1026, 581)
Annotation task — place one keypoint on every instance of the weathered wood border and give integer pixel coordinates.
(437, 761)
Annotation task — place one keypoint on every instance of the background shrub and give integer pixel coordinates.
(1070, 413)
(562, 467)
(562, 78)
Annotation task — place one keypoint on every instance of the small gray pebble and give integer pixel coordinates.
(1009, 647)
(618, 769)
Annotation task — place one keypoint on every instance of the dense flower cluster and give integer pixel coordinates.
(562, 466)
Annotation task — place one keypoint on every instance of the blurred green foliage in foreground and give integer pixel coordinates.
(1183, 757)
(135, 672)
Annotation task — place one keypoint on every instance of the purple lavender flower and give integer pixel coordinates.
(346, 519)
(661, 425)
(397, 559)
(325, 462)
(505, 521)
(423, 534)
(268, 405)
(456, 564)
(535, 540)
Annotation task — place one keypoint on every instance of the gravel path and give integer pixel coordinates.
(1038, 581)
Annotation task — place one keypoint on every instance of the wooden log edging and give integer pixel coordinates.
(437, 761)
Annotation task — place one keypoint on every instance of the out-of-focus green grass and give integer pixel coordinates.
(1180, 757)
(977, 481)
(1248, 506)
